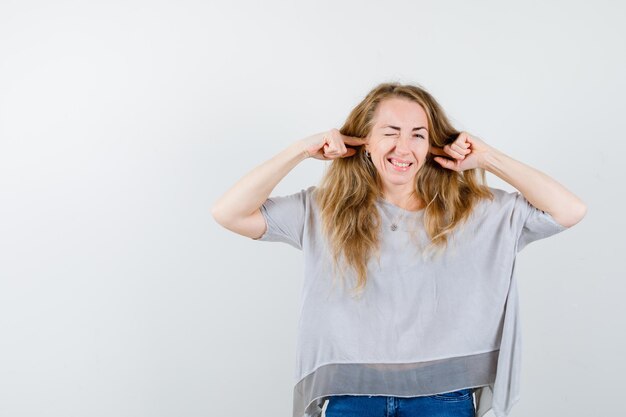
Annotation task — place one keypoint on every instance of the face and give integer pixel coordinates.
(400, 136)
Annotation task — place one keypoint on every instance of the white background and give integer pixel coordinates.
(122, 122)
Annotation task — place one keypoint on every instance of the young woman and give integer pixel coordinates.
(404, 213)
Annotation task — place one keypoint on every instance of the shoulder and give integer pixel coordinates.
(304, 195)
(503, 198)
(510, 206)
(499, 194)
(503, 205)
(307, 195)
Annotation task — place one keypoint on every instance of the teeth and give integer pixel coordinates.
(398, 164)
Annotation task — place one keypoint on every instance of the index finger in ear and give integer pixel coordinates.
(437, 151)
(353, 140)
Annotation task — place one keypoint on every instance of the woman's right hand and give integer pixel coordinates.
(330, 145)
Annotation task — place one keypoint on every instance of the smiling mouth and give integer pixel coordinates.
(398, 164)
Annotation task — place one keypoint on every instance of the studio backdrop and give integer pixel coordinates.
(122, 122)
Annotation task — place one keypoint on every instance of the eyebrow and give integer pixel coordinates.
(397, 128)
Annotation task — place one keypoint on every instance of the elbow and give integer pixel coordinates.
(218, 214)
(581, 211)
(574, 215)
(214, 213)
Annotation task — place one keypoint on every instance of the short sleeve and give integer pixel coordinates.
(285, 218)
(536, 224)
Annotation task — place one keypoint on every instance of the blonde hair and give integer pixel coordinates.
(350, 187)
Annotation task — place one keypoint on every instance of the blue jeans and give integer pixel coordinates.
(450, 404)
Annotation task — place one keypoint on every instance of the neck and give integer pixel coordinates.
(406, 199)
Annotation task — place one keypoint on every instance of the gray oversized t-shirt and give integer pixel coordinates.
(422, 326)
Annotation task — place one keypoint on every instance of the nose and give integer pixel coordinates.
(402, 144)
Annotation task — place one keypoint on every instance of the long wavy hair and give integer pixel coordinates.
(350, 187)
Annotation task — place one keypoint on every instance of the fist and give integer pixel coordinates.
(466, 152)
(330, 145)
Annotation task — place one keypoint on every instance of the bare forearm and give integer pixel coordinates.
(249, 192)
(540, 190)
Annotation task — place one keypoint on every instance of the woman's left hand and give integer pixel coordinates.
(466, 152)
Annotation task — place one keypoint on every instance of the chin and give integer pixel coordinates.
(400, 181)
